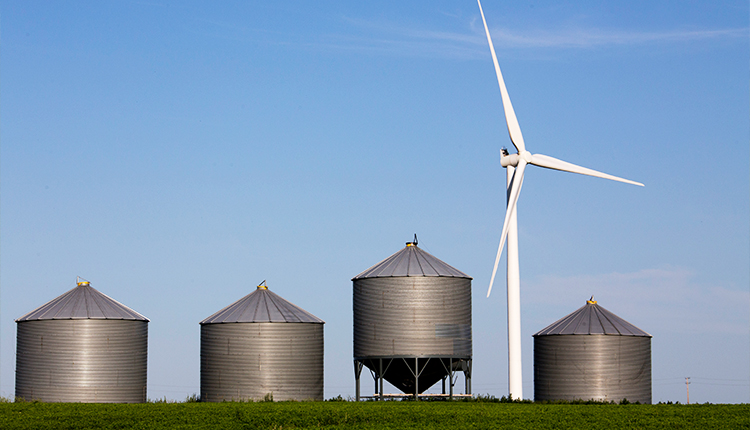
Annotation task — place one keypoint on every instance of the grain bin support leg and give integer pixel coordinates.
(357, 374)
(416, 378)
(450, 375)
(380, 378)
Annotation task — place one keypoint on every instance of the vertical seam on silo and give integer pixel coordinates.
(49, 306)
(95, 302)
(437, 272)
(260, 302)
(391, 264)
(613, 325)
(273, 302)
(77, 303)
(281, 306)
(419, 263)
(57, 310)
(237, 309)
(384, 266)
(370, 272)
(565, 322)
(406, 255)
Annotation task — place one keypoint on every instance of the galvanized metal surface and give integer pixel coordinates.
(599, 367)
(250, 360)
(82, 360)
(412, 320)
(82, 302)
(262, 305)
(592, 319)
(412, 317)
(411, 261)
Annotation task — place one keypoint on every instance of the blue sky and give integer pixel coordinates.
(177, 154)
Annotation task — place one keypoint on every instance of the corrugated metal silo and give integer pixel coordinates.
(261, 345)
(592, 354)
(412, 321)
(82, 347)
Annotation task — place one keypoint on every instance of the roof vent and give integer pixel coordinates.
(263, 285)
(82, 282)
(591, 301)
(413, 243)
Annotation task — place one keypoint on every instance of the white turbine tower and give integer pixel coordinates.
(516, 166)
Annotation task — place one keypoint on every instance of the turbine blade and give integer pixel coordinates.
(515, 191)
(555, 164)
(514, 130)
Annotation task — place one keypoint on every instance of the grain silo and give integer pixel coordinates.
(412, 322)
(82, 347)
(261, 346)
(592, 354)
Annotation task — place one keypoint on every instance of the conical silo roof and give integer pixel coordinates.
(592, 319)
(83, 302)
(262, 306)
(411, 261)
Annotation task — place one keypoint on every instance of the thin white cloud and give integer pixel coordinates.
(590, 38)
(385, 37)
(408, 40)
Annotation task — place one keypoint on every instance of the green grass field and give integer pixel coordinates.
(369, 415)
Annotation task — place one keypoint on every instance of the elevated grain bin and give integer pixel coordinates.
(412, 322)
(592, 354)
(259, 346)
(82, 347)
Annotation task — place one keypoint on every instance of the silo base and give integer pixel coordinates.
(603, 368)
(413, 375)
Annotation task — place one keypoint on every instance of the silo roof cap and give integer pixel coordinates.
(411, 261)
(83, 302)
(592, 319)
(262, 305)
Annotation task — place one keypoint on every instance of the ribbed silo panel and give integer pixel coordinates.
(85, 360)
(250, 360)
(599, 367)
(412, 317)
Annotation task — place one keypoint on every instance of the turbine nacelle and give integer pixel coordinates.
(513, 159)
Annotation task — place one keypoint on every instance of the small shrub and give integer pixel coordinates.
(162, 400)
(337, 399)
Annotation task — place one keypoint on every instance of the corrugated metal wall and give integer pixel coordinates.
(82, 360)
(413, 316)
(599, 367)
(249, 360)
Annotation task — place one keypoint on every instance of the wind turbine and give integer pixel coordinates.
(516, 167)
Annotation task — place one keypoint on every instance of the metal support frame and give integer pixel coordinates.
(452, 382)
(380, 376)
(454, 364)
(417, 372)
(357, 372)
